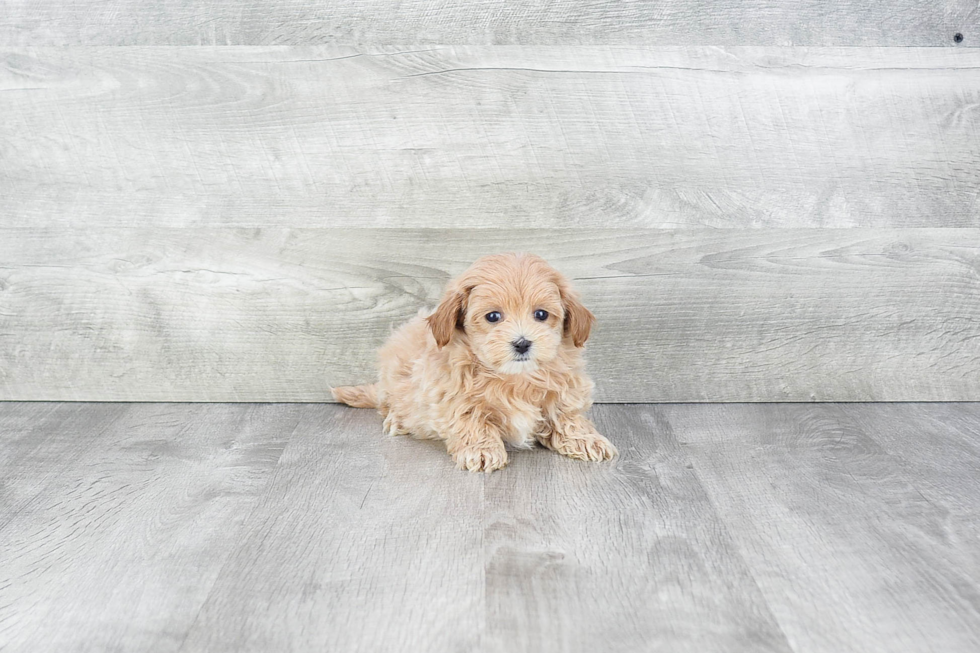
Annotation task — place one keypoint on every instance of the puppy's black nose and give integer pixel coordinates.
(521, 345)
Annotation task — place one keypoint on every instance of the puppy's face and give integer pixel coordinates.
(516, 311)
(514, 327)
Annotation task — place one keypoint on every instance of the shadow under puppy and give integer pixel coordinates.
(498, 361)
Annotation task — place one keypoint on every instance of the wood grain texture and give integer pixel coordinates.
(237, 527)
(939, 446)
(35, 438)
(602, 557)
(814, 501)
(119, 547)
(683, 315)
(505, 137)
(678, 22)
(362, 542)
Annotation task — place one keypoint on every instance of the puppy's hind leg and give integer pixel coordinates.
(393, 425)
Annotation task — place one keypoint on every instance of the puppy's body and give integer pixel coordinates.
(416, 398)
(456, 376)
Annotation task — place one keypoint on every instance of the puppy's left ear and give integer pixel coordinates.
(578, 319)
(448, 316)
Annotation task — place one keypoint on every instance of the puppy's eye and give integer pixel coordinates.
(493, 316)
(540, 315)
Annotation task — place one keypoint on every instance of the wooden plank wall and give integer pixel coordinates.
(490, 22)
(754, 213)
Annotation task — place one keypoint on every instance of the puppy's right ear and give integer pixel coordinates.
(448, 316)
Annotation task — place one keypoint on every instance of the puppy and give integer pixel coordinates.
(498, 362)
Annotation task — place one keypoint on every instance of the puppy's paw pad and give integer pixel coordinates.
(592, 447)
(481, 459)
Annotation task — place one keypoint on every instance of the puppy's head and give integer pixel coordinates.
(516, 311)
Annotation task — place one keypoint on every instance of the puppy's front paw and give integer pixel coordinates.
(481, 457)
(588, 446)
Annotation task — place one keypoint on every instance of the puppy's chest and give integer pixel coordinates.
(521, 427)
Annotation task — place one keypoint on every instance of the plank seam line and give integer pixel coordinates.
(259, 495)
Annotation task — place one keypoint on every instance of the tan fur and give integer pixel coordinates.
(359, 396)
(456, 377)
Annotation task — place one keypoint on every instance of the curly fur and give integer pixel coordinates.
(452, 375)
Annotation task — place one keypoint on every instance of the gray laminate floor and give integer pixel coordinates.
(299, 527)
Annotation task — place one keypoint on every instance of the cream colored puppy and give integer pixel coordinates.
(498, 362)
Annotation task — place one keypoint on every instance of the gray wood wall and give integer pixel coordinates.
(755, 209)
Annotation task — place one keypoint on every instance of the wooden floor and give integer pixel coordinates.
(299, 527)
